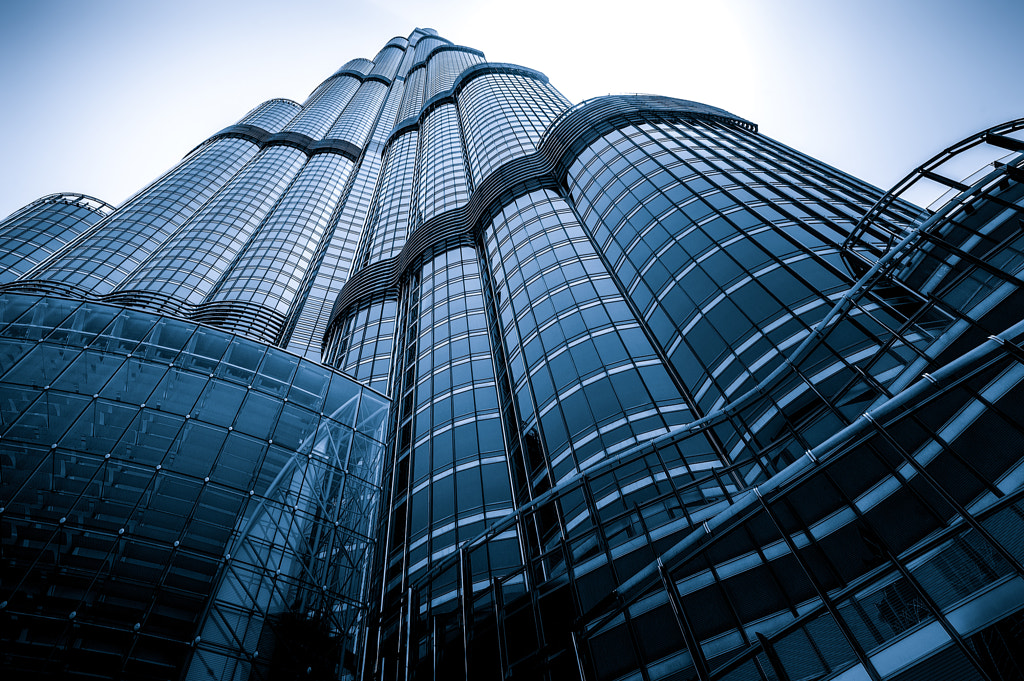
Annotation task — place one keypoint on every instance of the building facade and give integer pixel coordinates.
(437, 375)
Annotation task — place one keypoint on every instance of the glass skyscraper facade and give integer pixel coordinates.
(437, 375)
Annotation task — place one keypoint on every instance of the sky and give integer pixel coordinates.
(103, 96)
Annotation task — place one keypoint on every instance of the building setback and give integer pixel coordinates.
(437, 375)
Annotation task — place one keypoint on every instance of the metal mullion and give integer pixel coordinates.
(932, 605)
(239, 645)
(1005, 243)
(718, 582)
(769, 397)
(948, 498)
(904, 483)
(405, 660)
(499, 624)
(823, 171)
(769, 164)
(637, 313)
(235, 540)
(748, 654)
(812, 540)
(738, 420)
(913, 553)
(773, 659)
(771, 570)
(292, 526)
(59, 528)
(673, 487)
(974, 260)
(700, 663)
(963, 461)
(992, 406)
(863, 378)
(968, 206)
(822, 594)
(465, 582)
(911, 323)
(907, 322)
(866, 619)
(603, 543)
(760, 155)
(824, 401)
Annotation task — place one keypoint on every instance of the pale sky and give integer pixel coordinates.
(102, 96)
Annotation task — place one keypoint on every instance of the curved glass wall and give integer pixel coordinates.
(184, 270)
(732, 258)
(450, 475)
(866, 563)
(882, 547)
(503, 116)
(586, 380)
(335, 263)
(271, 115)
(263, 284)
(426, 44)
(360, 343)
(663, 408)
(119, 244)
(413, 100)
(35, 232)
(387, 119)
(387, 61)
(444, 68)
(363, 66)
(442, 182)
(356, 122)
(388, 223)
(178, 501)
(888, 551)
(318, 115)
(407, 61)
(308, 325)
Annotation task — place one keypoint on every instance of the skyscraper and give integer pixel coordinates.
(437, 375)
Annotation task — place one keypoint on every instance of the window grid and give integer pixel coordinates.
(271, 268)
(186, 267)
(37, 231)
(586, 380)
(441, 177)
(504, 116)
(318, 115)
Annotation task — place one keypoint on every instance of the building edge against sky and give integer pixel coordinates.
(666, 399)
